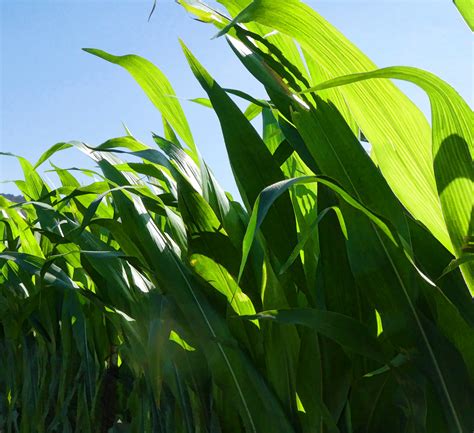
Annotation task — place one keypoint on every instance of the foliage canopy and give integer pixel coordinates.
(337, 298)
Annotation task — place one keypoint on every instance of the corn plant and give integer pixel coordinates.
(335, 296)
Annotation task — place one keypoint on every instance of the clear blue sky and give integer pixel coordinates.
(52, 91)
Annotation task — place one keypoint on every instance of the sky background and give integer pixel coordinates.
(51, 91)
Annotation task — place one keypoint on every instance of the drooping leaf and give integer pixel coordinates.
(453, 150)
(157, 87)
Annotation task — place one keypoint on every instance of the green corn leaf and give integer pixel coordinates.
(453, 150)
(33, 187)
(202, 101)
(55, 276)
(182, 160)
(252, 111)
(456, 263)
(220, 278)
(466, 8)
(347, 332)
(252, 163)
(268, 196)
(385, 245)
(51, 151)
(308, 233)
(203, 12)
(328, 142)
(157, 87)
(341, 292)
(127, 142)
(205, 232)
(399, 133)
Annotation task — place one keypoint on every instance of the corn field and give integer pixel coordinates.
(334, 296)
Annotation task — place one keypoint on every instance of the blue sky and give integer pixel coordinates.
(52, 91)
